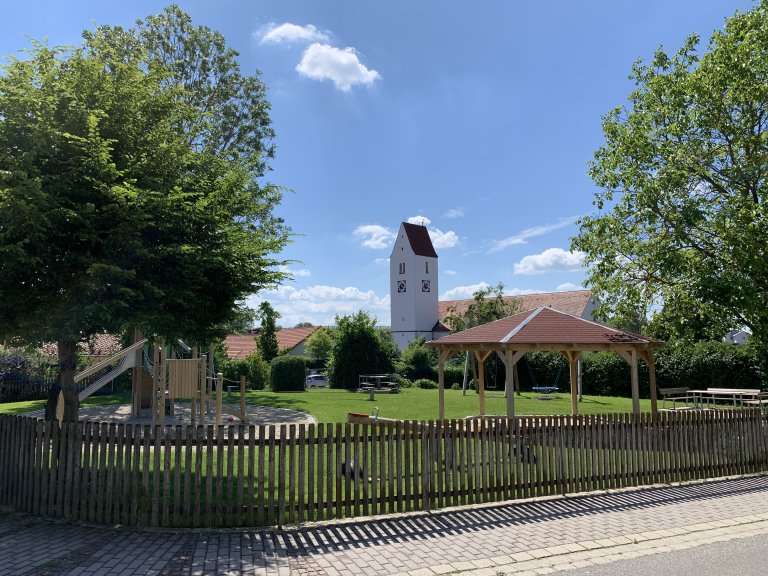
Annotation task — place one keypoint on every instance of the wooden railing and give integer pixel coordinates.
(277, 475)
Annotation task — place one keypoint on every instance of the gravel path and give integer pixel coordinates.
(257, 415)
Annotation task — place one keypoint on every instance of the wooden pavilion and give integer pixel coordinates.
(548, 330)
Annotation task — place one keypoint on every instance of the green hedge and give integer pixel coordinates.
(288, 374)
(254, 368)
(697, 365)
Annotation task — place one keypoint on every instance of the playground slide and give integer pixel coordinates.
(126, 359)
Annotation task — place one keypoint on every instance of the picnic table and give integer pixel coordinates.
(739, 396)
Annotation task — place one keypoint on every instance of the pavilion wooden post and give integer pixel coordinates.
(630, 356)
(573, 363)
(443, 356)
(647, 355)
(511, 358)
(635, 381)
(481, 356)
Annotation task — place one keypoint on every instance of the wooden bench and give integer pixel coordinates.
(674, 395)
(761, 400)
(739, 396)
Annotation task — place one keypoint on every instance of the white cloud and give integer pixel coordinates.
(450, 272)
(534, 231)
(419, 220)
(551, 260)
(320, 304)
(442, 239)
(381, 261)
(341, 66)
(375, 236)
(300, 273)
(439, 238)
(454, 213)
(568, 286)
(290, 33)
(463, 292)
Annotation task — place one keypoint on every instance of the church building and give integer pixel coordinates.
(413, 287)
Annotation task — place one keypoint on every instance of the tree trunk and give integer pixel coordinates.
(67, 364)
(53, 398)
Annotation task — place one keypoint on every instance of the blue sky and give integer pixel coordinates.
(476, 118)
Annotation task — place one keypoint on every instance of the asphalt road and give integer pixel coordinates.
(739, 557)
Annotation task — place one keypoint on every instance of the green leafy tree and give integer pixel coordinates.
(487, 305)
(267, 337)
(127, 197)
(417, 361)
(319, 347)
(683, 216)
(359, 348)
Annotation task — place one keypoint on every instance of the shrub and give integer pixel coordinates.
(288, 374)
(454, 374)
(425, 384)
(254, 368)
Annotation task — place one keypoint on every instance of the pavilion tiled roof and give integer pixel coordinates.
(419, 239)
(543, 326)
(575, 302)
(242, 346)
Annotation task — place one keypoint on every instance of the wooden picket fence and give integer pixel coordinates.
(276, 475)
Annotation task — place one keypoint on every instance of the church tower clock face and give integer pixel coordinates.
(425, 285)
(401, 286)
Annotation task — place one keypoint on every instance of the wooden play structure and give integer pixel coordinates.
(168, 378)
(161, 375)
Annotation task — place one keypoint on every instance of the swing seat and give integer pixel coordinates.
(545, 389)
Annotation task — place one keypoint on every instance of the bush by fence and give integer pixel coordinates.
(288, 373)
(254, 368)
(144, 476)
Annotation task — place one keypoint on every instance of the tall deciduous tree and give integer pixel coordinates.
(359, 348)
(267, 338)
(319, 347)
(131, 190)
(683, 219)
(487, 305)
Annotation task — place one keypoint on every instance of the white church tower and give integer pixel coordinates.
(413, 286)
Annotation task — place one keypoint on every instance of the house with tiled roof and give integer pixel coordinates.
(292, 339)
(578, 303)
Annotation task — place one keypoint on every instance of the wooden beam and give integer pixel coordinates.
(573, 357)
(510, 359)
(647, 355)
(635, 382)
(481, 379)
(442, 358)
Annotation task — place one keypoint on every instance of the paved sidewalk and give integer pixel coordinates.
(532, 537)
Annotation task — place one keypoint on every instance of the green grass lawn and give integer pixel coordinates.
(328, 405)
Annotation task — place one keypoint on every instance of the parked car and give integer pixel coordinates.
(317, 381)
